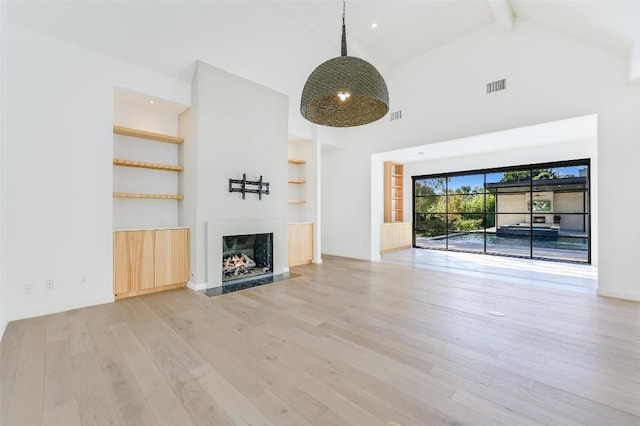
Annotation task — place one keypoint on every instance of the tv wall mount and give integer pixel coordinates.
(246, 186)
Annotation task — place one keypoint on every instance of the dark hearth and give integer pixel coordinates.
(539, 219)
(246, 256)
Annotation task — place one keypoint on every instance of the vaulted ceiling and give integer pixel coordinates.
(168, 37)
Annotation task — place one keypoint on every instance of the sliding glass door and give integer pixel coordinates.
(536, 211)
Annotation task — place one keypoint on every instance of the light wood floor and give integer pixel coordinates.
(349, 342)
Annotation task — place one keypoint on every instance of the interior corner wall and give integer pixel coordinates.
(57, 196)
(442, 97)
(235, 126)
(3, 86)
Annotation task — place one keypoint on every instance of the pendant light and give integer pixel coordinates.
(345, 91)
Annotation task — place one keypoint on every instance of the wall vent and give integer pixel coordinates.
(495, 86)
(396, 115)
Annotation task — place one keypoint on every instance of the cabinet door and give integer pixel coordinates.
(171, 257)
(295, 245)
(307, 242)
(300, 243)
(132, 261)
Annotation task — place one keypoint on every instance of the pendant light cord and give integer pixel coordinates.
(344, 29)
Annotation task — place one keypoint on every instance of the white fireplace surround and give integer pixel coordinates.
(218, 229)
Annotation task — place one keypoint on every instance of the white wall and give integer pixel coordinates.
(3, 128)
(442, 96)
(58, 151)
(240, 127)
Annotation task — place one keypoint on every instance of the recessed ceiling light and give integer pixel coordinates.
(152, 102)
(374, 25)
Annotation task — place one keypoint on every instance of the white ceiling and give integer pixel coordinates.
(169, 36)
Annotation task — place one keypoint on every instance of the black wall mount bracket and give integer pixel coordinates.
(262, 187)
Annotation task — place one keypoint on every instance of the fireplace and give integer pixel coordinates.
(246, 256)
(539, 219)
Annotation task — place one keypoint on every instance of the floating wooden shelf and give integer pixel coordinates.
(156, 196)
(393, 192)
(154, 166)
(126, 131)
(295, 161)
(297, 181)
(297, 201)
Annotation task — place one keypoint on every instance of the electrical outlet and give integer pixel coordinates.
(28, 289)
(48, 284)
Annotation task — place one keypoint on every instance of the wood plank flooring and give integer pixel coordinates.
(347, 343)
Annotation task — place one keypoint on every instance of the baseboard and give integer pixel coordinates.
(47, 310)
(197, 286)
(625, 295)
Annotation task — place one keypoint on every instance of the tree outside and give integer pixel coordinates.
(464, 208)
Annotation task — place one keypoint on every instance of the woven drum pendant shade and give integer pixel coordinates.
(323, 101)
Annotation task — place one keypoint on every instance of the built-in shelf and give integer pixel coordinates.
(154, 166)
(393, 192)
(126, 131)
(156, 196)
(298, 162)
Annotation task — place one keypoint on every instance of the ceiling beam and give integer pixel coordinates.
(634, 60)
(502, 13)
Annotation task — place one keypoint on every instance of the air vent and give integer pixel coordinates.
(497, 85)
(396, 115)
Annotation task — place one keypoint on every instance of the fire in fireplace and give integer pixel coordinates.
(246, 256)
(539, 219)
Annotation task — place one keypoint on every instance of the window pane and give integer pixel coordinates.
(466, 232)
(431, 230)
(518, 181)
(511, 236)
(432, 204)
(466, 184)
(466, 203)
(465, 222)
(431, 224)
(431, 186)
(572, 248)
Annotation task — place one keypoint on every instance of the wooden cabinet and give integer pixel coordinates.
(149, 260)
(171, 256)
(395, 236)
(393, 192)
(133, 267)
(300, 243)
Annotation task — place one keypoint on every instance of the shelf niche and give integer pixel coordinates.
(296, 180)
(393, 192)
(158, 137)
